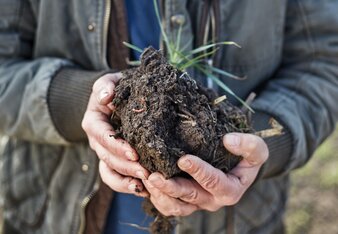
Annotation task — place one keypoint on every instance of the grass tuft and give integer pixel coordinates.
(197, 58)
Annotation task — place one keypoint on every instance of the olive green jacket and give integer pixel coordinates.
(52, 51)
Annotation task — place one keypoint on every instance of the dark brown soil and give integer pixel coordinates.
(164, 114)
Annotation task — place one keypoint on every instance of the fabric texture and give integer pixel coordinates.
(68, 99)
(289, 56)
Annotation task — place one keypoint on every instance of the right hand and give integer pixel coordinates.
(119, 167)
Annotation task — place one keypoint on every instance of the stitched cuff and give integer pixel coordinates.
(67, 100)
(280, 147)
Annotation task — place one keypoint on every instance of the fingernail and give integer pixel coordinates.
(232, 140)
(141, 175)
(156, 181)
(130, 156)
(104, 93)
(184, 163)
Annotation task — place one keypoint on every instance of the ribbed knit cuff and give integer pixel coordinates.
(280, 147)
(67, 99)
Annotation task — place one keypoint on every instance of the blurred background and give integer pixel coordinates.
(313, 201)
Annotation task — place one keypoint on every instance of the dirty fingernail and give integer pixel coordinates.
(184, 163)
(134, 188)
(130, 156)
(141, 175)
(232, 140)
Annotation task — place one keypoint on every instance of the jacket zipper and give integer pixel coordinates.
(88, 198)
(84, 204)
(105, 30)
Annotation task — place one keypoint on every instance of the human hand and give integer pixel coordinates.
(118, 165)
(210, 189)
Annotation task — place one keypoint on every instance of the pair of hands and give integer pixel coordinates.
(209, 189)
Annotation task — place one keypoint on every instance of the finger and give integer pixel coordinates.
(123, 167)
(173, 187)
(103, 88)
(250, 147)
(119, 183)
(209, 178)
(168, 206)
(184, 189)
(103, 134)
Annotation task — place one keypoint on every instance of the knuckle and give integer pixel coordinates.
(84, 124)
(210, 181)
(191, 196)
(124, 171)
(128, 169)
(198, 172)
(171, 192)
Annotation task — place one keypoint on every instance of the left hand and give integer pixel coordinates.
(210, 189)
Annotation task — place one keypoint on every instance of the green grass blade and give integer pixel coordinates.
(178, 40)
(190, 62)
(205, 47)
(175, 59)
(224, 87)
(185, 46)
(165, 37)
(224, 73)
(131, 46)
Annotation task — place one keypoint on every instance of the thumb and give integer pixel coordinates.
(103, 87)
(250, 147)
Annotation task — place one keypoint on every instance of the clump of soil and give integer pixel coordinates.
(164, 114)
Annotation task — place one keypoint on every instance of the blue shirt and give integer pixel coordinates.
(144, 31)
(143, 26)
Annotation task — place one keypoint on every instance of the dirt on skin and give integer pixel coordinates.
(164, 114)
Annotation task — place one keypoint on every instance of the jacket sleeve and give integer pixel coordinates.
(303, 94)
(31, 89)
